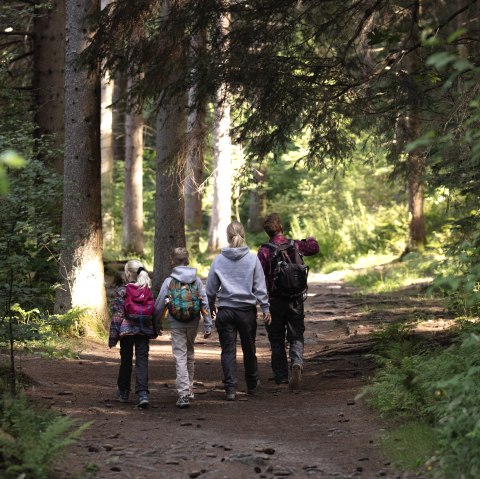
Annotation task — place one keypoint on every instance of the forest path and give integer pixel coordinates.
(319, 431)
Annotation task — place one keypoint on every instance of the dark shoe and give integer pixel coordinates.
(183, 402)
(143, 401)
(122, 395)
(231, 396)
(296, 377)
(254, 389)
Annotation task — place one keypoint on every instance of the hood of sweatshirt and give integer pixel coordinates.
(184, 274)
(235, 254)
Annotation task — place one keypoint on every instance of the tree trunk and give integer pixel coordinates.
(170, 206)
(416, 158)
(81, 262)
(106, 148)
(133, 195)
(118, 118)
(196, 134)
(222, 163)
(48, 82)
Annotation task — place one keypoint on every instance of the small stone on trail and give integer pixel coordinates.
(257, 470)
(172, 462)
(269, 450)
(227, 448)
(211, 454)
(65, 393)
(185, 424)
(364, 459)
(93, 449)
(350, 402)
(115, 469)
(194, 474)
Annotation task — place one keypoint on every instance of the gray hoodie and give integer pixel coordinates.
(185, 274)
(237, 280)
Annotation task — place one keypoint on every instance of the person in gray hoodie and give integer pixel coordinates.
(183, 333)
(237, 282)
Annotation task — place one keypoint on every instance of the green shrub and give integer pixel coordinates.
(31, 440)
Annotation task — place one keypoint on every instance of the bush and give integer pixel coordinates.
(31, 440)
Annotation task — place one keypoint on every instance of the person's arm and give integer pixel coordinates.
(264, 257)
(308, 246)
(118, 315)
(159, 308)
(213, 285)
(259, 287)
(205, 310)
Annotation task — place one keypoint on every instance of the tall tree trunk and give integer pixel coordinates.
(106, 148)
(118, 117)
(222, 162)
(170, 206)
(82, 266)
(196, 134)
(416, 158)
(48, 82)
(133, 195)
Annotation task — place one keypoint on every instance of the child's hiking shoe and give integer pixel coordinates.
(183, 402)
(296, 377)
(122, 395)
(143, 401)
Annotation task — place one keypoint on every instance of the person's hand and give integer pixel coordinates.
(267, 318)
(206, 335)
(213, 312)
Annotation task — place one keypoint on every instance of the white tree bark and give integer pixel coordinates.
(82, 266)
(133, 193)
(222, 164)
(106, 148)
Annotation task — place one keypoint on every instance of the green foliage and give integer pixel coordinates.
(410, 445)
(31, 440)
(413, 269)
(8, 159)
(440, 387)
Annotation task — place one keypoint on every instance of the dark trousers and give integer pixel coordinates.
(288, 322)
(141, 344)
(229, 321)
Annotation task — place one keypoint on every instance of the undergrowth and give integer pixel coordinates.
(434, 392)
(30, 439)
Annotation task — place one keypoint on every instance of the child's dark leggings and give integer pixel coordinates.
(141, 344)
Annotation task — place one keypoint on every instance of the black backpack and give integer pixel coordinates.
(288, 271)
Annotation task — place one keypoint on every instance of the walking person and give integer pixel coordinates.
(132, 325)
(182, 294)
(236, 281)
(286, 307)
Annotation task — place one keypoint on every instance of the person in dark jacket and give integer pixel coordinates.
(288, 318)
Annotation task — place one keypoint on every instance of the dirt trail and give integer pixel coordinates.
(320, 431)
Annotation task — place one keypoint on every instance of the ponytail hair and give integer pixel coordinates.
(136, 273)
(236, 235)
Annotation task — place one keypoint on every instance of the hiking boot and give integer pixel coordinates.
(231, 396)
(295, 377)
(183, 402)
(253, 389)
(143, 401)
(122, 395)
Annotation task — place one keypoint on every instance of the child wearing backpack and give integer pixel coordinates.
(183, 296)
(132, 325)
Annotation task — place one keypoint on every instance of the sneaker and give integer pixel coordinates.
(191, 395)
(254, 388)
(183, 402)
(143, 401)
(231, 396)
(122, 395)
(296, 377)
